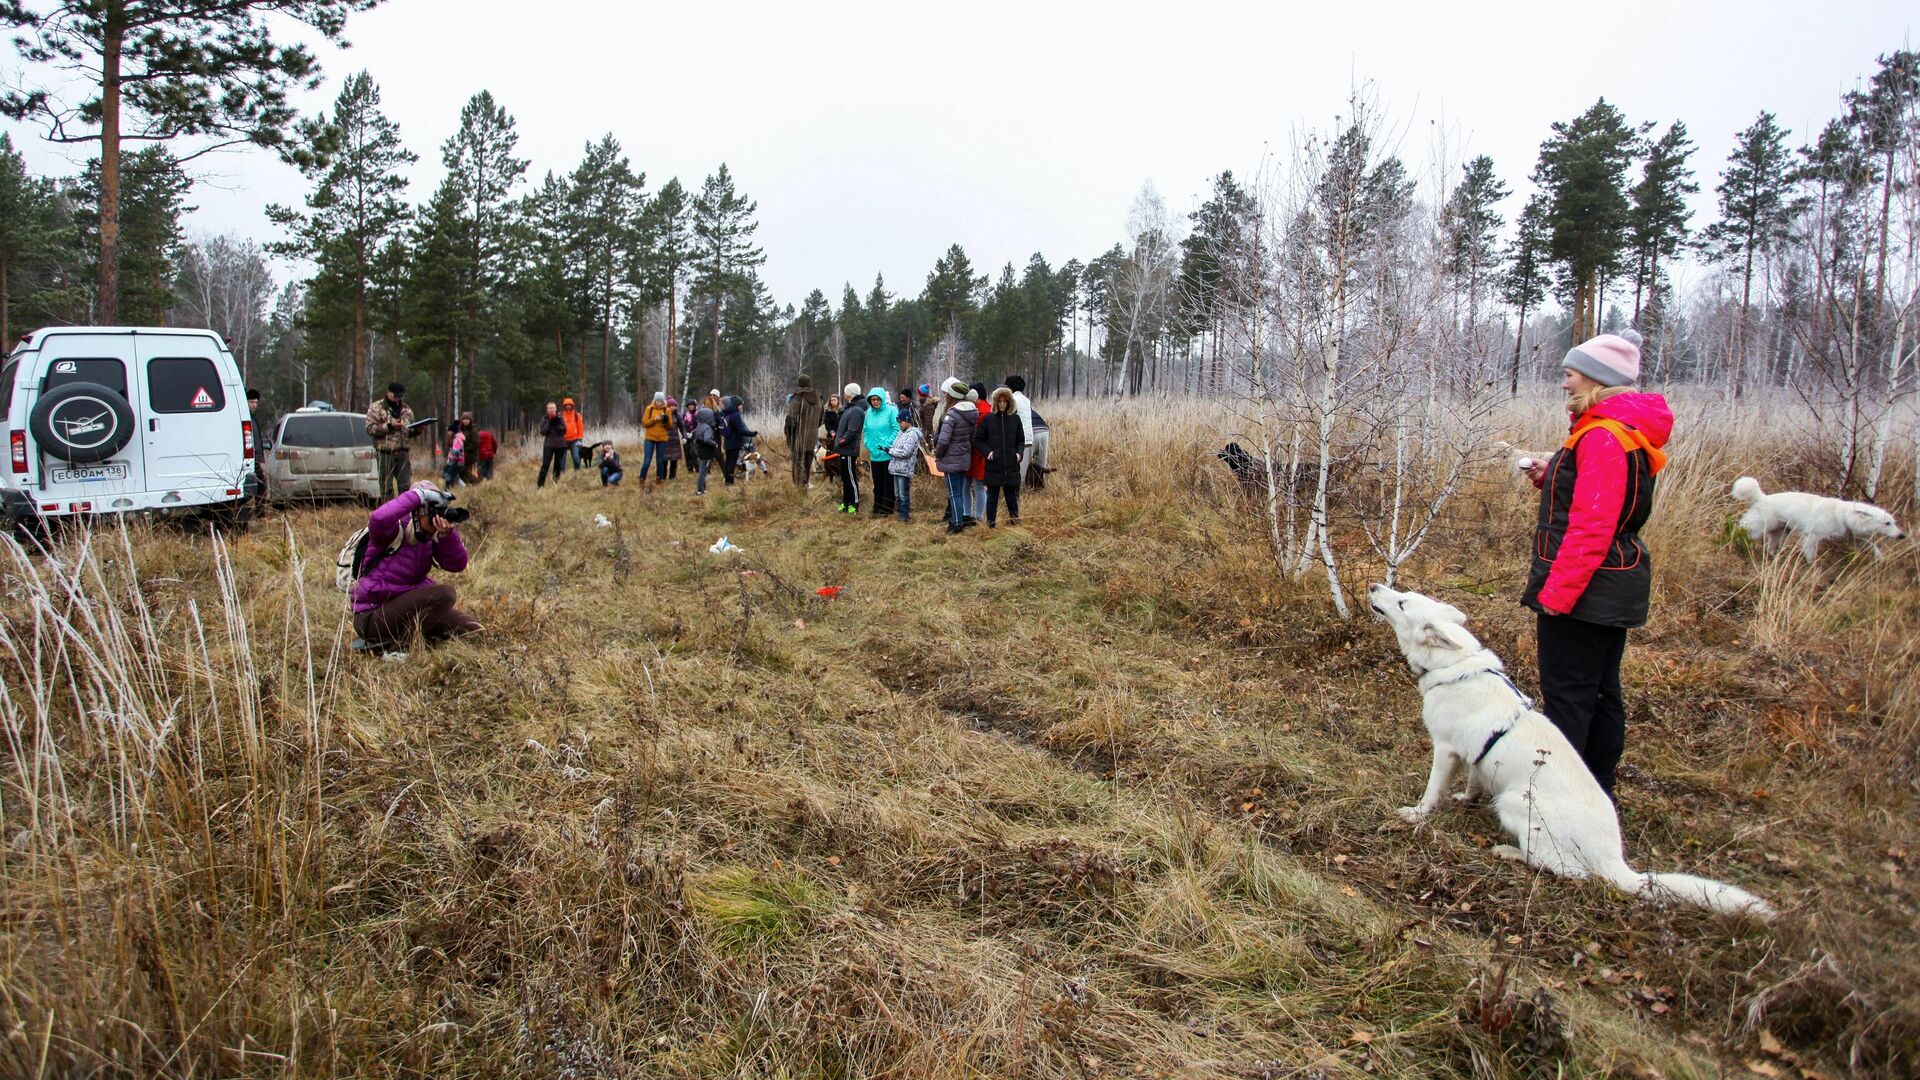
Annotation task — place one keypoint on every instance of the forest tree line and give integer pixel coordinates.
(499, 291)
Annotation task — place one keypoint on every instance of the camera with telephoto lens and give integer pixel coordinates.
(437, 503)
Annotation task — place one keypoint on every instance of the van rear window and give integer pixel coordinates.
(104, 371)
(184, 384)
(325, 432)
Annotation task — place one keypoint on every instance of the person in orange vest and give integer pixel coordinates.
(1591, 576)
(576, 431)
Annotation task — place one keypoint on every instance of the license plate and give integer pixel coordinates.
(87, 474)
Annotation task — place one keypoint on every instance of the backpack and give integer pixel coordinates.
(352, 563)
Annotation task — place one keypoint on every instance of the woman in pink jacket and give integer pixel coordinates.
(394, 599)
(1591, 575)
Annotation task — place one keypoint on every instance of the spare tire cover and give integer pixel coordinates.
(81, 422)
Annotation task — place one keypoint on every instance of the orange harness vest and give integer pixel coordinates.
(1630, 440)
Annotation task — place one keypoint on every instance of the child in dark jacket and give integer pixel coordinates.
(610, 472)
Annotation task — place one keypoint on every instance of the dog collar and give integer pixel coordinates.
(1465, 675)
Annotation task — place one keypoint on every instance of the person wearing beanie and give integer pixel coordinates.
(878, 431)
(655, 420)
(803, 420)
(928, 412)
(1591, 576)
(848, 438)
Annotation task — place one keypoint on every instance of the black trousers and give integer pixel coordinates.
(556, 456)
(994, 492)
(730, 463)
(1580, 689)
(849, 471)
(882, 488)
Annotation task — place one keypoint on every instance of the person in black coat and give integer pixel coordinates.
(553, 444)
(734, 434)
(848, 438)
(1002, 438)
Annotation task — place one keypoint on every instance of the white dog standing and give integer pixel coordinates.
(1815, 519)
(1543, 793)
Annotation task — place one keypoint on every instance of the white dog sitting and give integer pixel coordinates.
(1546, 798)
(1815, 519)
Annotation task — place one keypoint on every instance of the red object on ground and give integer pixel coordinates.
(829, 591)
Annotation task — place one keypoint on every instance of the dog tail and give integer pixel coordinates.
(1747, 490)
(1716, 896)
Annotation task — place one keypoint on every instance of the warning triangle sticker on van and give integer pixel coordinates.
(203, 400)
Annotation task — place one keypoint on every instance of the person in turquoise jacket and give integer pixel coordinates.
(882, 427)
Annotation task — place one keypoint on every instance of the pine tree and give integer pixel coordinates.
(952, 292)
(816, 321)
(724, 252)
(32, 231)
(1887, 123)
(1525, 284)
(483, 173)
(157, 70)
(662, 256)
(1212, 262)
(1659, 215)
(1470, 229)
(1756, 206)
(603, 205)
(877, 347)
(355, 208)
(1582, 169)
(153, 199)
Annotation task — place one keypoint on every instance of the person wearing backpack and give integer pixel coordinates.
(393, 597)
(706, 447)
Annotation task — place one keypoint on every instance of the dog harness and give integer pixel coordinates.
(1525, 703)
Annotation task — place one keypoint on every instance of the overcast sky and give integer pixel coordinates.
(874, 135)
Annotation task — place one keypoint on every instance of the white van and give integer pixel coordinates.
(112, 419)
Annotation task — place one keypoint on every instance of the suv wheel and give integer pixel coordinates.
(81, 422)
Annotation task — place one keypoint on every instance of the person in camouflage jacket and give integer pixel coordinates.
(387, 422)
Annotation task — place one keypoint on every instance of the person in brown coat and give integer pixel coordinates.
(804, 412)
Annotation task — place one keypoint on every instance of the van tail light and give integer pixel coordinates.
(246, 439)
(17, 450)
(280, 454)
(363, 455)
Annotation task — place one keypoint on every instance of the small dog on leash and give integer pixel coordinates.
(1546, 798)
(750, 460)
(1815, 519)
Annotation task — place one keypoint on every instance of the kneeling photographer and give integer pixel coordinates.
(406, 537)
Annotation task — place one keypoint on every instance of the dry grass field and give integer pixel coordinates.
(1097, 796)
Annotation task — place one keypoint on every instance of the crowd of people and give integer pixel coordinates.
(985, 445)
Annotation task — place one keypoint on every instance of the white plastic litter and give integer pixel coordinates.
(723, 545)
(601, 520)
(393, 657)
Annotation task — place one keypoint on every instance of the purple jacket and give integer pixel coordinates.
(405, 568)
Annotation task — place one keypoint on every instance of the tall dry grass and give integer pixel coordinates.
(1098, 796)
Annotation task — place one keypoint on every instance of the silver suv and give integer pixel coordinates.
(321, 454)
